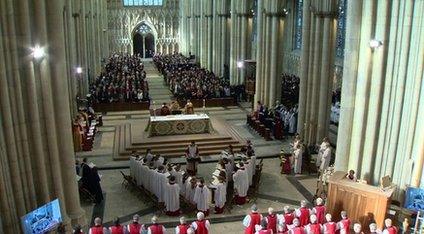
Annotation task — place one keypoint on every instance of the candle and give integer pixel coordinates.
(204, 101)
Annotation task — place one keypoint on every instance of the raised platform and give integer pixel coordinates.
(132, 136)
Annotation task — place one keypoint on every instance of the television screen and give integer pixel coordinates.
(43, 219)
(414, 199)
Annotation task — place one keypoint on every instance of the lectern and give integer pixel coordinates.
(363, 203)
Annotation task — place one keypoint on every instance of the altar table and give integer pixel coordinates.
(179, 124)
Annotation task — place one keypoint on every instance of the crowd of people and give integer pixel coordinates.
(169, 182)
(122, 79)
(188, 80)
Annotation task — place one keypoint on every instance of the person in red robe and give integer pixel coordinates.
(296, 228)
(98, 227)
(201, 225)
(182, 227)
(344, 224)
(264, 228)
(314, 227)
(271, 220)
(135, 227)
(156, 228)
(320, 210)
(390, 229)
(117, 228)
(329, 227)
(251, 220)
(303, 213)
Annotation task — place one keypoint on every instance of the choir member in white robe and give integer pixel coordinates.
(297, 155)
(149, 156)
(158, 160)
(159, 183)
(190, 189)
(241, 184)
(253, 164)
(133, 167)
(248, 168)
(228, 169)
(172, 197)
(220, 195)
(321, 150)
(179, 174)
(192, 154)
(201, 197)
(326, 157)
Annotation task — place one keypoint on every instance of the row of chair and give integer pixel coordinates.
(260, 128)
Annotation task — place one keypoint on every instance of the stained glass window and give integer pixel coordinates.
(298, 25)
(143, 2)
(341, 29)
(143, 29)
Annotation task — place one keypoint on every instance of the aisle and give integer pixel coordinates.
(158, 91)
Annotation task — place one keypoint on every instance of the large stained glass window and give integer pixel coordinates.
(298, 25)
(143, 2)
(341, 29)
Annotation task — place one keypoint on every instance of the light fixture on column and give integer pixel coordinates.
(374, 43)
(38, 52)
(285, 11)
(240, 64)
(78, 70)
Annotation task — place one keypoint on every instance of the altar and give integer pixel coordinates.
(179, 124)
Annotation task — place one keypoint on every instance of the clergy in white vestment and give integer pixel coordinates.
(190, 189)
(326, 157)
(201, 197)
(192, 156)
(297, 155)
(172, 197)
(159, 183)
(220, 195)
(241, 184)
(322, 147)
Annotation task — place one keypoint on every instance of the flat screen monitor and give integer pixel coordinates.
(42, 219)
(414, 199)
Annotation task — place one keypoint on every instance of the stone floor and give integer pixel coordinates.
(275, 190)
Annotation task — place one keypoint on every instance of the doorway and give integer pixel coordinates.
(144, 41)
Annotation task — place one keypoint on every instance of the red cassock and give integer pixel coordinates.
(320, 213)
(201, 227)
(182, 228)
(134, 228)
(288, 218)
(156, 229)
(298, 230)
(287, 166)
(346, 225)
(255, 219)
(330, 227)
(304, 216)
(97, 230)
(315, 228)
(117, 230)
(278, 129)
(272, 222)
(392, 230)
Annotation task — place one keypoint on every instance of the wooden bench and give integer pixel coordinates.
(121, 106)
(212, 102)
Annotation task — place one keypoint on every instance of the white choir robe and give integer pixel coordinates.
(249, 171)
(325, 160)
(145, 180)
(201, 198)
(297, 161)
(241, 182)
(179, 179)
(320, 152)
(172, 197)
(133, 168)
(229, 171)
(189, 191)
(163, 182)
(220, 195)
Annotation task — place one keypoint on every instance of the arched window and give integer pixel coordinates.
(341, 29)
(298, 25)
(143, 2)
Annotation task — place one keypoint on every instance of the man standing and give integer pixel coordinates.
(189, 108)
(390, 229)
(344, 224)
(201, 225)
(172, 197)
(134, 227)
(251, 220)
(201, 197)
(325, 157)
(241, 184)
(98, 227)
(192, 155)
(329, 227)
(297, 155)
(303, 213)
(220, 195)
(156, 228)
(183, 227)
(319, 210)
